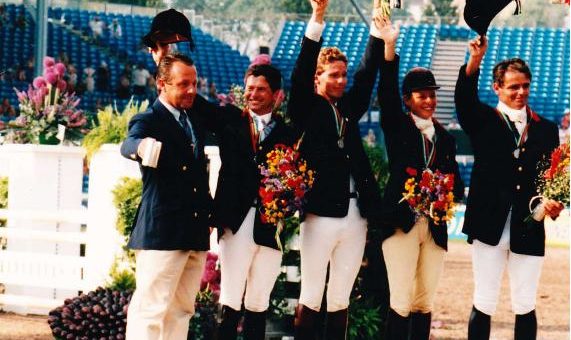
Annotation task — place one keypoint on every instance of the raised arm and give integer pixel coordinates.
(388, 92)
(303, 74)
(359, 96)
(469, 109)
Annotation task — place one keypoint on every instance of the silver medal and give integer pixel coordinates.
(340, 143)
(516, 153)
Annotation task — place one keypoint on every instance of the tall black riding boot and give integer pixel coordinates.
(336, 328)
(305, 323)
(479, 325)
(525, 326)
(229, 324)
(397, 326)
(420, 326)
(254, 325)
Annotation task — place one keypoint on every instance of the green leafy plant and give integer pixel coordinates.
(127, 197)
(111, 126)
(364, 319)
(379, 164)
(122, 274)
(3, 192)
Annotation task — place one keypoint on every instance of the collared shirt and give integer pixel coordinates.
(519, 117)
(426, 126)
(265, 119)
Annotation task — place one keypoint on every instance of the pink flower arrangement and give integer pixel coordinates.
(46, 108)
(211, 276)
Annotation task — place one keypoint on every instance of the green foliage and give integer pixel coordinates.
(122, 278)
(364, 320)
(3, 200)
(379, 164)
(445, 9)
(111, 126)
(295, 6)
(203, 324)
(127, 197)
(3, 192)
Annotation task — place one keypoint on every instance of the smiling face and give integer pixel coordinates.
(179, 87)
(422, 103)
(259, 95)
(514, 90)
(331, 82)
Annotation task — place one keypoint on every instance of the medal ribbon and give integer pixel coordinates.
(339, 122)
(428, 147)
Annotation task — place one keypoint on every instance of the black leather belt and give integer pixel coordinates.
(353, 195)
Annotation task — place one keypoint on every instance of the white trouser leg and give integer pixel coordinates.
(158, 274)
(524, 272)
(488, 264)
(264, 270)
(346, 259)
(320, 237)
(236, 254)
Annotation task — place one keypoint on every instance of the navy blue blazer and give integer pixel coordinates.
(405, 149)
(175, 208)
(500, 181)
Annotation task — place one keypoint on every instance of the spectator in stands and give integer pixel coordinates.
(71, 77)
(8, 110)
(509, 140)
(370, 139)
(124, 87)
(115, 29)
(564, 128)
(102, 78)
(202, 87)
(30, 68)
(21, 21)
(151, 88)
(140, 78)
(413, 246)
(344, 194)
(21, 73)
(97, 27)
(89, 80)
(212, 94)
(63, 58)
(3, 14)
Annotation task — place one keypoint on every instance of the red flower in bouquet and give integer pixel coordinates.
(430, 195)
(553, 182)
(285, 181)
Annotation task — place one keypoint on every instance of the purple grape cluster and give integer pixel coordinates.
(99, 314)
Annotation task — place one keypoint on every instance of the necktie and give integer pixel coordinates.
(184, 122)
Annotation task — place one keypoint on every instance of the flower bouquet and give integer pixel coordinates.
(48, 113)
(285, 181)
(553, 181)
(430, 195)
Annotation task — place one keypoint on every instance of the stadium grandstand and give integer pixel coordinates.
(440, 47)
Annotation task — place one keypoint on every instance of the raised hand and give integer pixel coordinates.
(389, 33)
(478, 47)
(318, 7)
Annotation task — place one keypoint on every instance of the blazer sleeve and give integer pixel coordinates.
(388, 93)
(139, 128)
(302, 82)
(359, 95)
(471, 112)
(213, 116)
